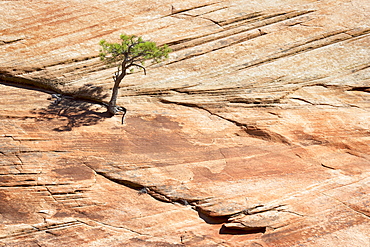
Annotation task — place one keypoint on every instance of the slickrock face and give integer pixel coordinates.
(255, 132)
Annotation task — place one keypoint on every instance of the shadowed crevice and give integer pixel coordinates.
(230, 231)
(212, 220)
(204, 215)
(360, 89)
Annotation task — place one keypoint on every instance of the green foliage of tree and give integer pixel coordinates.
(132, 52)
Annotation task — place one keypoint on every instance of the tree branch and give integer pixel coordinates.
(138, 65)
(132, 59)
(132, 45)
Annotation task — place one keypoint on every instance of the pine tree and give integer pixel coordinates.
(132, 52)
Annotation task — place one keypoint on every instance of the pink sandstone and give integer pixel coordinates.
(255, 132)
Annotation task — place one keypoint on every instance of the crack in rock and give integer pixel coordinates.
(253, 131)
(349, 206)
(115, 227)
(228, 226)
(260, 219)
(10, 41)
(150, 190)
(42, 227)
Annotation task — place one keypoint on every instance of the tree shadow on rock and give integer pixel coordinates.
(76, 110)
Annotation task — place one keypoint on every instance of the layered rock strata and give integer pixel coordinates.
(255, 132)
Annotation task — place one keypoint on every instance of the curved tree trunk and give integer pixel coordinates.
(112, 106)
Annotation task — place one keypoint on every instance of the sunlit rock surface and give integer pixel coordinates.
(255, 132)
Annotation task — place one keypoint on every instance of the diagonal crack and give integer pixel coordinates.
(205, 215)
(227, 225)
(4, 42)
(348, 206)
(253, 131)
(115, 227)
(150, 190)
(42, 228)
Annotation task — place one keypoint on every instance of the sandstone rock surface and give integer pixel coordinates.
(255, 132)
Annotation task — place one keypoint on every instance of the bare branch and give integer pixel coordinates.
(132, 60)
(138, 65)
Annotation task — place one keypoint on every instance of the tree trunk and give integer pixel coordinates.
(112, 106)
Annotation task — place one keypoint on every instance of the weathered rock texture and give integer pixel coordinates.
(256, 131)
